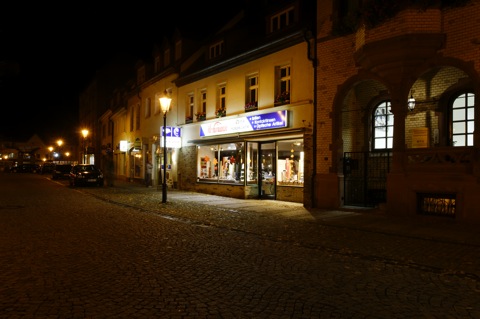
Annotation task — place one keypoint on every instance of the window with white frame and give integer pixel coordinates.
(137, 116)
(282, 89)
(157, 107)
(148, 108)
(132, 117)
(216, 49)
(382, 126)
(252, 91)
(203, 101)
(463, 119)
(222, 96)
(282, 19)
(190, 106)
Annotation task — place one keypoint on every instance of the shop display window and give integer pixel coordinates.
(290, 163)
(252, 163)
(221, 163)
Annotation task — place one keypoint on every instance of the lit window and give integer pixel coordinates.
(221, 98)
(463, 120)
(382, 126)
(252, 92)
(282, 89)
(221, 163)
(148, 110)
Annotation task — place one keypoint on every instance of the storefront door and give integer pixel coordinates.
(267, 168)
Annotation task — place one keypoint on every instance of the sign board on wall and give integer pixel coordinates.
(258, 122)
(123, 146)
(420, 137)
(174, 136)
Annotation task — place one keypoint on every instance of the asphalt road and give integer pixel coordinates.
(118, 252)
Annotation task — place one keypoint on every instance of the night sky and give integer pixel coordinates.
(49, 53)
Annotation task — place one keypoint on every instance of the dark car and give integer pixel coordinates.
(86, 174)
(46, 168)
(61, 171)
(25, 168)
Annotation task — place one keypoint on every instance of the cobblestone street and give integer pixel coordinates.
(118, 252)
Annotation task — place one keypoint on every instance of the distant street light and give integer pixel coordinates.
(60, 143)
(165, 105)
(85, 134)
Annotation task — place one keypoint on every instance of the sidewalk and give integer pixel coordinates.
(426, 227)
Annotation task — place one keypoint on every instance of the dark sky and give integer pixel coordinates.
(49, 53)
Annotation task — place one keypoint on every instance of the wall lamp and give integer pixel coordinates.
(411, 103)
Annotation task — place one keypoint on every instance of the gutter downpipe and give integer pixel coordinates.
(311, 39)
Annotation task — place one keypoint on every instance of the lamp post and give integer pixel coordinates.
(165, 105)
(85, 134)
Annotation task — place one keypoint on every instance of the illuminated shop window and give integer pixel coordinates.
(290, 163)
(221, 163)
(252, 163)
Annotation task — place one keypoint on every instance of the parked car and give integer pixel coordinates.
(61, 171)
(25, 168)
(46, 168)
(86, 174)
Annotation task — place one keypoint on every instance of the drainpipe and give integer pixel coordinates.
(311, 38)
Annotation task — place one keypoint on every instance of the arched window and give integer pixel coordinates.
(382, 126)
(463, 119)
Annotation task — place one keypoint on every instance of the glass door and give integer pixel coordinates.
(267, 168)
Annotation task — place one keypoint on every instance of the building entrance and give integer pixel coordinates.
(267, 168)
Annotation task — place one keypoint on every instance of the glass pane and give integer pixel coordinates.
(389, 142)
(379, 132)
(471, 99)
(470, 140)
(470, 126)
(252, 163)
(290, 165)
(390, 119)
(230, 163)
(390, 131)
(458, 115)
(458, 140)
(458, 127)
(459, 102)
(470, 113)
(379, 143)
(207, 163)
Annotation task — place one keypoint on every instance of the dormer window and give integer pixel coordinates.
(178, 50)
(141, 75)
(282, 19)
(157, 64)
(216, 49)
(166, 58)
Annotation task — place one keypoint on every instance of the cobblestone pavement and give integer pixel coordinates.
(215, 257)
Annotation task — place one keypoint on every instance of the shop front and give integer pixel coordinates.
(264, 158)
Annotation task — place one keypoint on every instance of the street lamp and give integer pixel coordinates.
(59, 143)
(85, 134)
(165, 105)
